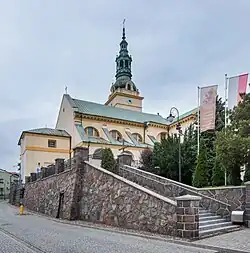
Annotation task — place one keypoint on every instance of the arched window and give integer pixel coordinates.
(116, 135)
(137, 137)
(121, 63)
(98, 153)
(129, 86)
(91, 132)
(126, 63)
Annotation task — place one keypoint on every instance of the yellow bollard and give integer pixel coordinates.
(21, 209)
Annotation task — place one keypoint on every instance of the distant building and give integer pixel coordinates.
(118, 124)
(6, 179)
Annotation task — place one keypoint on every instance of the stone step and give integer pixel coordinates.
(206, 214)
(203, 211)
(211, 221)
(215, 225)
(219, 230)
(209, 217)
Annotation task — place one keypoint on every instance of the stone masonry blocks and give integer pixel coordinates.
(188, 216)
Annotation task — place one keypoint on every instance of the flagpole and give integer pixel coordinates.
(198, 123)
(226, 105)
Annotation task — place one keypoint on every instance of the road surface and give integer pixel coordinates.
(32, 233)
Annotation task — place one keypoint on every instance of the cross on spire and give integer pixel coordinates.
(123, 29)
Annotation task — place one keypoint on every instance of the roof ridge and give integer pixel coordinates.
(116, 108)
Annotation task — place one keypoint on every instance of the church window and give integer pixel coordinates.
(137, 137)
(121, 64)
(52, 143)
(116, 135)
(126, 63)
(91, 132)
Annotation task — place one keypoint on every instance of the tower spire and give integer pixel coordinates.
(123, 29)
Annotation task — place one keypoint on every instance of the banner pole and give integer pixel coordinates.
(226, 104)
(198, 123)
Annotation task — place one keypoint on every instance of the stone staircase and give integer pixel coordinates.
(211, 224)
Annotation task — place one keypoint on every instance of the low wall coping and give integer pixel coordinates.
(139, 187)
(187, 187)
(167, 179)
(222, 187)
(188, 197)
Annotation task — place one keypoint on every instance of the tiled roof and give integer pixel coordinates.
(45, 131)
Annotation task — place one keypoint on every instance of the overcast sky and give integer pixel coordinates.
(176, 46)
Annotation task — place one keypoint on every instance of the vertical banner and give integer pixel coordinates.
(208, 107)
(237, 86)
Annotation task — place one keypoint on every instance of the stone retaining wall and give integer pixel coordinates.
(235, 196)
(43, 195)
(113, 200)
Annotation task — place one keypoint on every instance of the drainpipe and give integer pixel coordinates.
(145, 126)
(70, 146)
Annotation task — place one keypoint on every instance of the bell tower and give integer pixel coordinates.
(123, 92)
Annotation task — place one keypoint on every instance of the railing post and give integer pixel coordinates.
(188, 216)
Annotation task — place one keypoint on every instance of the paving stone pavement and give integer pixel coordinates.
(32, 233)
(239, 240)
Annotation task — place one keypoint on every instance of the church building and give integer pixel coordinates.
(118, 124)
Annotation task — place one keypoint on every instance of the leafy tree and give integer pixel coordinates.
(218, 177)
(233, 143)
(165, 156)
(146, 160)
(231, 151)
(189, 154)
(200, 178)
(108, 161)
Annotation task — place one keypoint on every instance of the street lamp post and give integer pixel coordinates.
(174, 112)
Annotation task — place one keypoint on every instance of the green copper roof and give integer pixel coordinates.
(45, 131)
(92, 108)
(186, 114)
(96, 109)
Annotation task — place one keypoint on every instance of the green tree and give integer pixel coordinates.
(108, 161)
(188, 154)
(231, 151)
(200, 178)
(218, 177)
(233, 144)
(165, 156)
(146, 160)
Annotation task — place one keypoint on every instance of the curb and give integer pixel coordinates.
(137, 234)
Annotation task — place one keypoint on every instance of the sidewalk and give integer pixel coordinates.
(238, 240)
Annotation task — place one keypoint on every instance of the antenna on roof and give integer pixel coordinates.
(66, 90)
